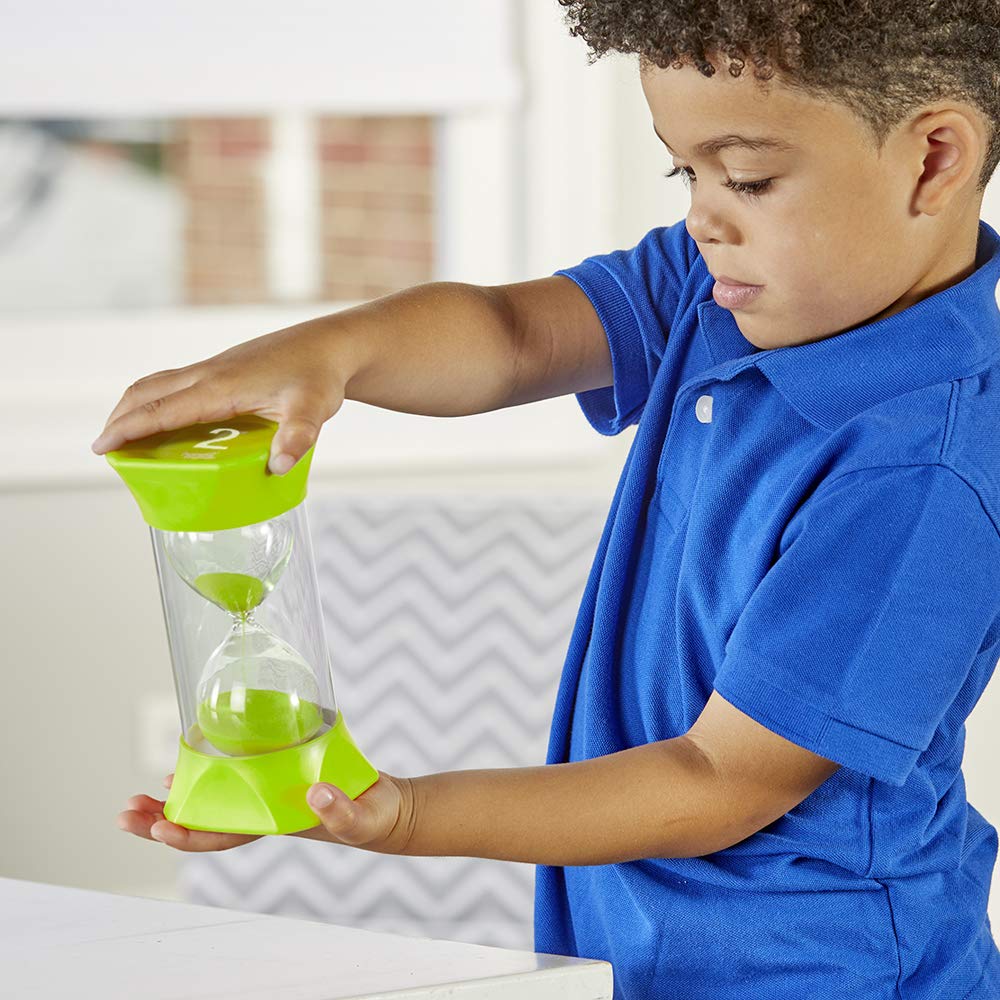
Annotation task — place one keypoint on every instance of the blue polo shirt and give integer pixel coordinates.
(811, 531)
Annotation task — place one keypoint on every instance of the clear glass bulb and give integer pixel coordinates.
(236, 568)
(257, 694)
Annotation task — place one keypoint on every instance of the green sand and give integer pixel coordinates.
(238, 593)
(270, 720)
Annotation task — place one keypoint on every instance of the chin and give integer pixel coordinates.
(747, 326)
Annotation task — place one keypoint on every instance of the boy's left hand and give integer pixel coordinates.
(380, 819)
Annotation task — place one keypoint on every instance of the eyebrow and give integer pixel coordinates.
(757, 144)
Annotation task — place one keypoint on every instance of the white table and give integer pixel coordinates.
(58, 941)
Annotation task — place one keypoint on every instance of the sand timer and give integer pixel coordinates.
(259, 721)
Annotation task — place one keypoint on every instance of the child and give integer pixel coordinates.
(753, 787)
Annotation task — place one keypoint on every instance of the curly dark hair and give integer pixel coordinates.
(882, 59)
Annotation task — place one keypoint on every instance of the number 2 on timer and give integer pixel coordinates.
(216, 444)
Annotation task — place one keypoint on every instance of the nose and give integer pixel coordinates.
(703, 226)
(708, 218)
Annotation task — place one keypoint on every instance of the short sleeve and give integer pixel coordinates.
(636, 294)
(861, 634)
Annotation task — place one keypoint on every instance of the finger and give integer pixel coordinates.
(168, 780)
(197, 841)
(150, 387)
(345, 819)
(193, 405)
(295, 435)
(138, 821)
(135, 823)
(145, 803)
(144, 818)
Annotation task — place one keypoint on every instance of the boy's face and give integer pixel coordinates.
(833, 239)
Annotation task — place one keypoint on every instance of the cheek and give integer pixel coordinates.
(814, 276)
(805, 264)
(816, 225)
(831, 278)
(819, 249)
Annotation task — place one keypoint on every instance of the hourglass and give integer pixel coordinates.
(256, 693)
(237, 579)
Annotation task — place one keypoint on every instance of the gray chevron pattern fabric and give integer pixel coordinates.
(447, 619)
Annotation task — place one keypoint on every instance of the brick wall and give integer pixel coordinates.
(377, 186)
(219, 165)
(375, 204)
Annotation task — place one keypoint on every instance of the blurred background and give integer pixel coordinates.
(177, 178)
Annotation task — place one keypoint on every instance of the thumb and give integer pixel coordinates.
(321, 797)
(295, 435)
(338, 813)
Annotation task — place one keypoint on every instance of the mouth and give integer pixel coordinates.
(732, 294)
(726, 280)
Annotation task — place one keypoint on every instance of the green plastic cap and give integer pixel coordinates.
(209, 477)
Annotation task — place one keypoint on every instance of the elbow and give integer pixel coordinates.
(726, 814)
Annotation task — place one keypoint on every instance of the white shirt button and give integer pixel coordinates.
(703, 409)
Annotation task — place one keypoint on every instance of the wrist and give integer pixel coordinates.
(341, 341)
(332, 349)
(409, 811)
(338, 350)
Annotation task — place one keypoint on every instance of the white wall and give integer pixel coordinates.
(183, 57)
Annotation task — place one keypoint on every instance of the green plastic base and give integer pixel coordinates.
(264, 793)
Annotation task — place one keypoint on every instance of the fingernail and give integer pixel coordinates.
(280, 464)
(320, 797)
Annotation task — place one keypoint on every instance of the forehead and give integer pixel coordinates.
(688, 107)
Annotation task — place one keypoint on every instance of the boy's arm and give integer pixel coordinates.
(725, 779)
(451, 349)
(440, 349)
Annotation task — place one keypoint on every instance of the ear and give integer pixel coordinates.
(951, 144)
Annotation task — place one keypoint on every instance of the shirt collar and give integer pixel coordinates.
(947, 335)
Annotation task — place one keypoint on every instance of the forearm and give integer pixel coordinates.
(439, 349)
(657, 800)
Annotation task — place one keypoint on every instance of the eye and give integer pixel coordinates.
(751, 189)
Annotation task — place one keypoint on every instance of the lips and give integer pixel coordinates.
(731, 294)
(726, 280)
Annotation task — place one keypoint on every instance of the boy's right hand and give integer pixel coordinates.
(289, 376)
